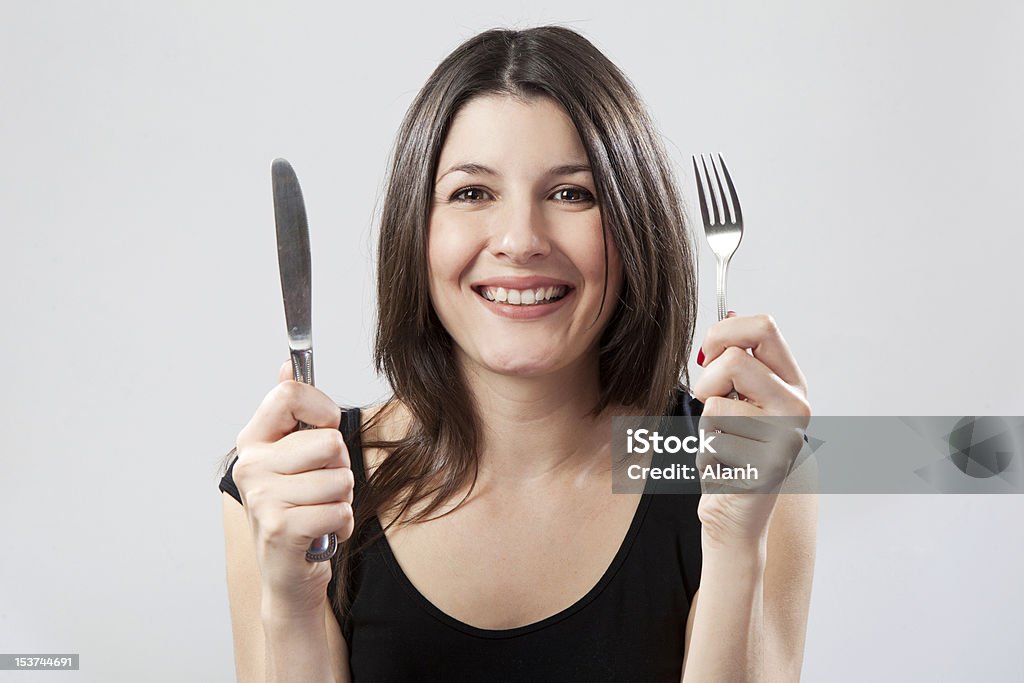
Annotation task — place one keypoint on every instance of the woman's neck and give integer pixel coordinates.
(536, 429)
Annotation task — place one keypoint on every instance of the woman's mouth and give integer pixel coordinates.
(524, 297)
(525, 304)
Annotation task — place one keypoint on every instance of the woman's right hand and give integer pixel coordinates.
(295, 487)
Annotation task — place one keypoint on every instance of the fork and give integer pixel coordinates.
(723, 231)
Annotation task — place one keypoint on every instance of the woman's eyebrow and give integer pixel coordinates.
(568, 169)
(473, 168)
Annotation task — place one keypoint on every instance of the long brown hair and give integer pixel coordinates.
(648, 339)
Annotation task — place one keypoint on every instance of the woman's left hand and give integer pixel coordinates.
(771, 384)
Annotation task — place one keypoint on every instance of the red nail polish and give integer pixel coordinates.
(700, 356)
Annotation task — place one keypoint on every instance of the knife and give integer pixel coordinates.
(296, 284)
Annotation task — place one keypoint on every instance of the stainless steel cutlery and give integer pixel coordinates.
(296, 285)
(723, 221)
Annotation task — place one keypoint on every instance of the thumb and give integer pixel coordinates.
(285, 373)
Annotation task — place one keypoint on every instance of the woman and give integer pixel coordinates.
(535, 278)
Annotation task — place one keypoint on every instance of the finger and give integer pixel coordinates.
(317, 487)
(728, 450)
(735, 369)
(731, 416)
(745, 419)
(754, 464)
(712, 466)
(319, 520)
(284, 407)
(761, 335)
(308, 450)
(285, 373)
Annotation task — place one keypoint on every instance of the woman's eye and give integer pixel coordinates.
(574, 195)
(569, 195)
(468, 194)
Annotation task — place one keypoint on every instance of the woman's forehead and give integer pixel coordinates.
(498, 134)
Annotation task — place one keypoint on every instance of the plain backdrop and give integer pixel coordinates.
(877, 148)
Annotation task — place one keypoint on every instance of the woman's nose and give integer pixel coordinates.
(520, 233)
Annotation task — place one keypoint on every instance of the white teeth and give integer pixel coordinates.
(524, 297)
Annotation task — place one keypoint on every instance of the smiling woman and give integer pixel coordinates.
(536, 277)
(504, 234)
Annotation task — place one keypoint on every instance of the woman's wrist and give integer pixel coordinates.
(296, 647)
(741, 553)
(728, 629)
(277, 612)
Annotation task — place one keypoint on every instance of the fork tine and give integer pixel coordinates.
(721, 192)
(732, 192)
(700, 192)
(711, 193)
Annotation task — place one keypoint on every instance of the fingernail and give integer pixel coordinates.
(730, 314)
(700, 356)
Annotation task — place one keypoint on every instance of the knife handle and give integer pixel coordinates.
(323, 548)
(302, 369)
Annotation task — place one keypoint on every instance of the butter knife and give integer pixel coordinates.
(296, 284)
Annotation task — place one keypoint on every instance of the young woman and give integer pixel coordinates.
(535, 278)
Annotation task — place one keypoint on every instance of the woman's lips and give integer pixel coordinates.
(524, 311)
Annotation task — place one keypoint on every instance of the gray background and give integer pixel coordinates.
(877, 147)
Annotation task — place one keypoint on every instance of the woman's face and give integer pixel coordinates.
(515, 251)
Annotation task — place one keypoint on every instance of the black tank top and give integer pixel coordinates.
(629, 627)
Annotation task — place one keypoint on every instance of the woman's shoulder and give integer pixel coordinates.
(384, 421)
(686, 403)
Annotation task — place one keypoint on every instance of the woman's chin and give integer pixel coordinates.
(519, 365)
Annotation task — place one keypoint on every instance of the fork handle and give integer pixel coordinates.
(722, 272)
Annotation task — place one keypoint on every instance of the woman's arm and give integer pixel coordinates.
(267, 646)
(725, 631)
(748, 621)
(300, 649)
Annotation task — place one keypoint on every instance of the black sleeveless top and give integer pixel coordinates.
(629, 627)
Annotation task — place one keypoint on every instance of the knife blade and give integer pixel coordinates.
(293, 262)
